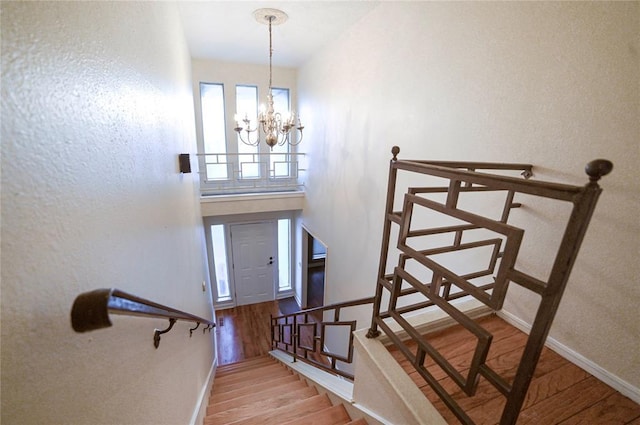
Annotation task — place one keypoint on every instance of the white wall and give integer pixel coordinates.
(96, 107)
(552, 84)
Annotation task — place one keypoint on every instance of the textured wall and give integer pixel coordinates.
(96, 107)
(553, 84)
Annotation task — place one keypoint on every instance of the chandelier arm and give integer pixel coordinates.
(299, 140)
(248, 141)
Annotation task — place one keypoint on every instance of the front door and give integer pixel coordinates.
(254, 249)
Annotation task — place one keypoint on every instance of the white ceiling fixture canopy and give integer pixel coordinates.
(267, 15)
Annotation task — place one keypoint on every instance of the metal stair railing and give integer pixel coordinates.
(487, 285)
(303, 335)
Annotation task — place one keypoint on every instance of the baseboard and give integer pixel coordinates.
(285, 294)
(200, 410)
(579, 360)
(434, 319)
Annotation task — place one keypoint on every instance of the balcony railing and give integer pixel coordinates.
(225, 173)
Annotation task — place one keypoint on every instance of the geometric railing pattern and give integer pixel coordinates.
(303, 335)
(446, 218)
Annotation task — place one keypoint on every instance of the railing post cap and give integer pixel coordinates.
(598, 168)
(395, 151)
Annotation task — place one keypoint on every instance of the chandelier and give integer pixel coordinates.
(277, 129)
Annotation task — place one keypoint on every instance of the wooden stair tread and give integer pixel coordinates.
(222, 388)
(266, 394)
(254, 363)
(245, 365)
(257, 408)
(262, 391)
(289, 412)
(249, 374)
(334, 415)
(251, 389)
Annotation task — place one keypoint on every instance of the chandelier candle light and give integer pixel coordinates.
(276, 127)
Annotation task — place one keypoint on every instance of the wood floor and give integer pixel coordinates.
(243, 332)
(560, 393)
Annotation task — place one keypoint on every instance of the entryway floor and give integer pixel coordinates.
(243, 332)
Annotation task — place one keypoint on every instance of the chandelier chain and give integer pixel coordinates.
(271, 18)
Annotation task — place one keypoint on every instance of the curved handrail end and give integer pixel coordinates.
(90, 311)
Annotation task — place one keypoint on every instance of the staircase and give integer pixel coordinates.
(262, 391)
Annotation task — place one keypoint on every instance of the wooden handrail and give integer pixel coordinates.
(90, 311)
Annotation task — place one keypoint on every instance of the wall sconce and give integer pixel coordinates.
(185, 163)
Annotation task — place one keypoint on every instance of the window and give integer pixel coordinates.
(220, 263)
(284, 254)
(279, 166)
(213, 128)
(247, 106)
(229, 165)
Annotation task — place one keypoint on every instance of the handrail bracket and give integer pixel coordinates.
(158, 332)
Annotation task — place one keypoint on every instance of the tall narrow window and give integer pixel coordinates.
(284, 254)
(247, 105)
(213, 129)
(220, 262)
(279, 164)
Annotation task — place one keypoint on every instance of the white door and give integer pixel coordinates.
(254, 249)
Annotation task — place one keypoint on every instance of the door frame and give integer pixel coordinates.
(228, 221)
(305, 264)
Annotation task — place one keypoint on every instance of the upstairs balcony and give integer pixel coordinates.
(233, 183)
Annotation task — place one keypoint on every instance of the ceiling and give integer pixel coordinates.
(227, 30)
